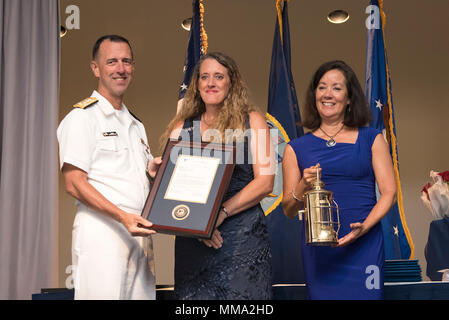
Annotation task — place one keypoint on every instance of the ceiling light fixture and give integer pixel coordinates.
(62, 32)
(186, 24)
(338, 16)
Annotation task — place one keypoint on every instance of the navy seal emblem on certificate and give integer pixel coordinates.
(180, 212)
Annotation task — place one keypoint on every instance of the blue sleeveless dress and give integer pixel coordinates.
(356, 270)
(241, 268)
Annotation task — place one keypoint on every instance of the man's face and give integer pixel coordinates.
(114, 67)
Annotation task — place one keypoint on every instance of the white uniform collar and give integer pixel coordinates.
(107, 108)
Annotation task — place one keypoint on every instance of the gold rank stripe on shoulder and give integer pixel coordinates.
(85, 103)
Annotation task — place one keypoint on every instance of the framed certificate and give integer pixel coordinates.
(189, 188)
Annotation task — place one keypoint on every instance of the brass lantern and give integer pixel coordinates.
(320, 227)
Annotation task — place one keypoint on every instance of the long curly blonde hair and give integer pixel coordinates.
(236, 106)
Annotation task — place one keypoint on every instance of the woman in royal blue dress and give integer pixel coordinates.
(351, 159)
(236, 263)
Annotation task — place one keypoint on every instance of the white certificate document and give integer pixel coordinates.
(192, 179)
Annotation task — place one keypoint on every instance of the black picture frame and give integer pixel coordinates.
(181, 217)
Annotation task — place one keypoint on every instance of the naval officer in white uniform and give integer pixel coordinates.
(104, 156)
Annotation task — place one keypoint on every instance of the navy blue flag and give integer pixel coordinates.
(283, 117)
(196, 47)
(397, 238)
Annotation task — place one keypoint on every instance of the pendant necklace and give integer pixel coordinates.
(203, 117)
(331, 142)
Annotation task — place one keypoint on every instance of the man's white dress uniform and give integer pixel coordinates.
(111, 147)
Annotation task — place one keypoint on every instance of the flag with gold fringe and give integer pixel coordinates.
(196, 47)
(283, 117)
(397, 238)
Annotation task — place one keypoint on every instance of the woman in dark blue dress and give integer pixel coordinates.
(236, 262)
(351, 159)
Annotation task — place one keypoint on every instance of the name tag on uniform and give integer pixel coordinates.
(110, 134)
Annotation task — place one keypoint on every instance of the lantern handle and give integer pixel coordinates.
(338, 215)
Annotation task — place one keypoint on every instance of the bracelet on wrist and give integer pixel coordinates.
(225, 211)
(294, 196)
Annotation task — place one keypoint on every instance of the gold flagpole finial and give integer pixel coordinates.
(203, 33)
(279, 11)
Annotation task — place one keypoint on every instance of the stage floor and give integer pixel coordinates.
(424, 290)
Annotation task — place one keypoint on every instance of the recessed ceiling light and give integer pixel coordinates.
(62, 32)
(338, 16)
(186, 24)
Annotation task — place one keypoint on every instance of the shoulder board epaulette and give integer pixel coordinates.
(85, 103)
(134, 115)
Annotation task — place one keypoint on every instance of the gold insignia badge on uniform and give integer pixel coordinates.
(85, 103)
